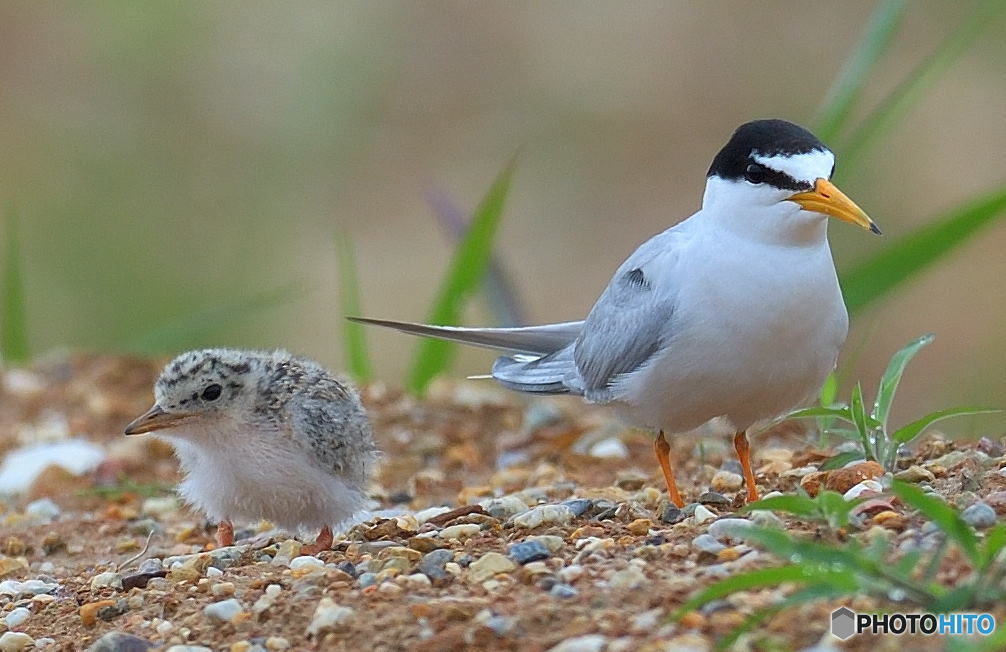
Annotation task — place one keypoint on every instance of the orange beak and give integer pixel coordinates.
(828, 200)
(154, 419)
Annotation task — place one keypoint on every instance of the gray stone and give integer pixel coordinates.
(367, 579)
(432, 564)
(979, 516)
(223, 611)
(561, 590)
(707, 544)
(15, 641)
(579, 506)
(729, 528)
(528, 551)
(120, 642)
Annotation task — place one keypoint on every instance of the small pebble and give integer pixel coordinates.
(224, 611)
(528, 551)
(713, 498)
(561, 590)
(462, 531)
(306, 561)
(329, 616)
(222, 589)
(17, 617)
(585, 643)
(188, 648)
(627, 578)
(432, 564)
(729, 528)
(43, 510)
(504, 507)
(726, 481)
(113, 580)
(120, 642)
(705, 543)
(611, 448)
(367, 579)
(864, 487)
(915, 473)
(488, 565)
(579, 506)
(702, 515)
(979, 516)
(15, 641)
(277, 643)
(550, 541)
(672, 514)
(544, 515)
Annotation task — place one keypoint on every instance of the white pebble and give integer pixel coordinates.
(729, 528)
(702, 515)
(329, 616)
(42, 509)
(113, 580)
(224, 611)
(611, 448)
(164, 627)
(15, 641)
(306, 561)
(17, 617)
(213, 571)
(585, 643)
(544, 515)
(864, 486)
(462, 531)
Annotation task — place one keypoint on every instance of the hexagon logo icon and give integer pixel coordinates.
(843, 622)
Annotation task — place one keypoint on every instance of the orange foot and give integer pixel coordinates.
(323, 542)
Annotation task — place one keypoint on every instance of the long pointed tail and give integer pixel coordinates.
(536, 340)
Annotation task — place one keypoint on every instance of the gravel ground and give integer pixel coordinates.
(497, 524)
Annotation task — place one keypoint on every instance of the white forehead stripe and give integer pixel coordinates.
(808, 167)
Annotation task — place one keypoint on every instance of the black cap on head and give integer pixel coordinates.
(764, 137)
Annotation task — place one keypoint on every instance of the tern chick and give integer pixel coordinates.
(263, 435)
(735, 312)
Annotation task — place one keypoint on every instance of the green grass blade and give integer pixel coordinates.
(830, 412)
(860, 419)
(892, 267)
(914, 429)
(354, 339)
(840, 460)
(765, 577)
(948, 520)
(811, 593)
(855, 71)
(468, 266)
(892, 376)
(195, 327)
(887, 115)
(14, 328)
(795, 504)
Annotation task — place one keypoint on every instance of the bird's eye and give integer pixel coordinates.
(755, 173)
(212, 392)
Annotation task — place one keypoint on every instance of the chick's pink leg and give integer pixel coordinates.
(225, 534)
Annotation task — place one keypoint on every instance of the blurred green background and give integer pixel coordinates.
(174, 159)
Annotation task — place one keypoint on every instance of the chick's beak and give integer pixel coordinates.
(154, 419)
(827, 199)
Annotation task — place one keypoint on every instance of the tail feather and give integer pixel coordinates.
(538, 340)
(550, 374)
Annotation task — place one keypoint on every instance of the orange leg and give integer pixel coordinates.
(323, 542)
(663, 450)
(744, 454)
(225, 534)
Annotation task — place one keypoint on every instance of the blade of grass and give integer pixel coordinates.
(499, 290)
(197, 326)
(914, 429)
(892, 267)
(465, 273)
(892, 108)
(354, 339)
(892, 376)
(14, 331)
(840, 460)
(855, 72)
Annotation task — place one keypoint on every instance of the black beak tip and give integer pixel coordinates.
(875, 229)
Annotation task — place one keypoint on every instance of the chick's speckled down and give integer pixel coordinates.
(265, 435)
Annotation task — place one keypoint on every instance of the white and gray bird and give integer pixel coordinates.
(263, 435)
(735, 312)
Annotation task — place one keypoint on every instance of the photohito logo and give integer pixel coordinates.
(845, 622)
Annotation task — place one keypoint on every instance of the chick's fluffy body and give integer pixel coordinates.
(285, 441)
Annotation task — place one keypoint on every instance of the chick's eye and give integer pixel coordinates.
(212, 392)
(755, 173)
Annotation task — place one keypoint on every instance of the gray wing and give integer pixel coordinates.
(631, 321)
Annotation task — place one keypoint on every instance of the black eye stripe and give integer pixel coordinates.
(778, 179)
